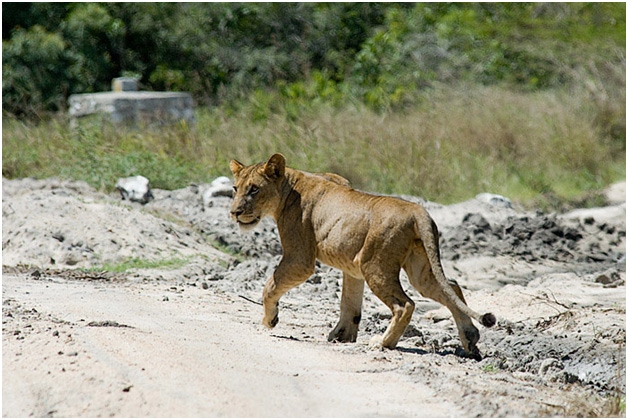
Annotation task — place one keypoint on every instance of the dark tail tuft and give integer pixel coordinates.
(488, 320)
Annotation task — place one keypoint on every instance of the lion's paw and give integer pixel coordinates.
(272, 323)
(341, 334)
(376, 343)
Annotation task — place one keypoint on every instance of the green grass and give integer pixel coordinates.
(538, 148)
(137, 263)
(225, 250)
(490, 369)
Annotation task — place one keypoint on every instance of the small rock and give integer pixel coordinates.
(610, 278)
(616, 193)
(550, 365)
(72, 258)
(315, 279)
(478, 221)
(220, 187)
(603, 279)
(412, 331)
(135, 188)
(494, 200)
(58, 236)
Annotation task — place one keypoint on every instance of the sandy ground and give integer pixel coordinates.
(182, 337)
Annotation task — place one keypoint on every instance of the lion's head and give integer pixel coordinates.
(256, 190)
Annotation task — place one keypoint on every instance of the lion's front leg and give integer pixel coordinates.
(271, 300)
(346, 331)
(288, 274)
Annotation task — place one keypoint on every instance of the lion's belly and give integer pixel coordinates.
(340, 231)
(341, 250)
(341, 262)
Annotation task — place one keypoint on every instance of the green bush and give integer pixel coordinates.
(37, 70)
(382, 54)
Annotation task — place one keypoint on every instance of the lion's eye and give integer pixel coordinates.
(235, 189)
(253, 190)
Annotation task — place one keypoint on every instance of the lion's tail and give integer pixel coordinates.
(428, 233)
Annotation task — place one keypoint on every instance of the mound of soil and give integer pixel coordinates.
(68, 224)
(535, 238)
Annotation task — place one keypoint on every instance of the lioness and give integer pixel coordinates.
(369, 237)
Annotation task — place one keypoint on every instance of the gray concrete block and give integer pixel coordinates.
(135, 108)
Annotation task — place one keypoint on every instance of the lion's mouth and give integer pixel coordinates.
(243, 224)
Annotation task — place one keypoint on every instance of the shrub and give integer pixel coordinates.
(37, 70)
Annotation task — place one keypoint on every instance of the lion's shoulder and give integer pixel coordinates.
(335, 178)
(315, 177)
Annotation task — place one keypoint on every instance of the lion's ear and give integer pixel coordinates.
(275, 168)
(235, 167)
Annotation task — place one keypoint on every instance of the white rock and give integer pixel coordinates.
(494, 200)
(135, 188)
(220, 187)
(616, 193)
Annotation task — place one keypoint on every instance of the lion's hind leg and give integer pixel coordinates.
(422, 279)
(346, 331)
(386, 286)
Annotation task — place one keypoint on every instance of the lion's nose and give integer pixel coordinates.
(236, 213)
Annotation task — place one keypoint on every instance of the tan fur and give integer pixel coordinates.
(369, 237)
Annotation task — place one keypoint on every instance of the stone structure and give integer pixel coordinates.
(125, 105)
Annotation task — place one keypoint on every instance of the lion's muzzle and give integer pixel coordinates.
(244, 221)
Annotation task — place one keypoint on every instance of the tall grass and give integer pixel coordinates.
(454, 144)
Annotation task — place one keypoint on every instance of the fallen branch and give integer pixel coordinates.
(250, 300)
(545, 299)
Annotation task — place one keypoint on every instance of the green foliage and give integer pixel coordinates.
(521, 44)
(97, 38)
(381, 54)
(36, 71)
(24, 15)
(490, 368)
(100, 155)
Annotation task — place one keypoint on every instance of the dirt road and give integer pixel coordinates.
(194, 355)
(183, 337)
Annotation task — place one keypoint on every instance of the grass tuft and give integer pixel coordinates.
(138, 263)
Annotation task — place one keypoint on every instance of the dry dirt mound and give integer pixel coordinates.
(535, 238)
(67, 224)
